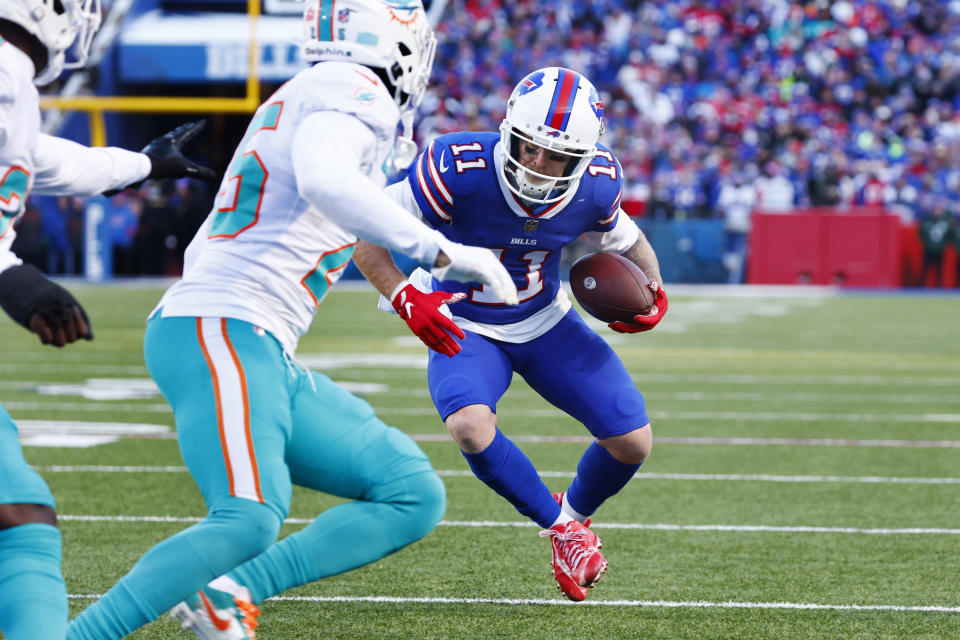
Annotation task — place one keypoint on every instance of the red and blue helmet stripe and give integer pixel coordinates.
(563, 96)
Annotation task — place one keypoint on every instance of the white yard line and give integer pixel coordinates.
(767, 416)
(667, 604)
(773, 378)
(17, 405)
(598, 525)
(521, 393)
(549, 412)
(693, 440)
(461, 473)
(419, 361)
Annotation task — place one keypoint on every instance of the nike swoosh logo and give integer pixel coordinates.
(409, 308)
(218, 622)
(443, 167)
(372, 80)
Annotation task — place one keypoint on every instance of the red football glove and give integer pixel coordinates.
(647, 322)
(421, 312)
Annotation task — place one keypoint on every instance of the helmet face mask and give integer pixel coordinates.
(558, 110)
(58, 25)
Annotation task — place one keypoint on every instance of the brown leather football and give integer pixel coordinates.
(609, 287)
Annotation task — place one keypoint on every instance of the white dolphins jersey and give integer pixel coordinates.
(264, 254)
(32, 161)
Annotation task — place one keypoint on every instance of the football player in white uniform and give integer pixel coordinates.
(304, 184)
(34, 36)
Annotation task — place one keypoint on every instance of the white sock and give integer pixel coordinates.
(227, 584)
(561, 519)
(572, 513)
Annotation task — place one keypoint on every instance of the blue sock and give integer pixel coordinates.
(599, 476)
(393, 515)
(34, 603)
(509, 472)
(233, 532)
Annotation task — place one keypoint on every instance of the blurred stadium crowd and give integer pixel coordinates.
(716, 109)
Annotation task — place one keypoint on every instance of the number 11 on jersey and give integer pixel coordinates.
(534, 260)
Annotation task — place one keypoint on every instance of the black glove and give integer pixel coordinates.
(167, 159)
(42, 306)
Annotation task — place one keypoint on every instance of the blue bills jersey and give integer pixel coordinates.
(460, 188)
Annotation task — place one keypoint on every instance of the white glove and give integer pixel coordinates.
(476, 264)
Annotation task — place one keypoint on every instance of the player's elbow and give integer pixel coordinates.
(323, 187)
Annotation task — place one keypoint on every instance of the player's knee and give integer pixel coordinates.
(14, 515)
(250, 526)
(473, 427)
(426, 505)
(632, 447)
(417, 503)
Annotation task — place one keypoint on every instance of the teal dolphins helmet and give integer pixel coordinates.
(391, 35)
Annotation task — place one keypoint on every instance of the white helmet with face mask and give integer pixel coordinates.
(57, 25)
(559, 110)
(392, 37)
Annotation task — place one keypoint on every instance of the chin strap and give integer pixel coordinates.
(404, 148)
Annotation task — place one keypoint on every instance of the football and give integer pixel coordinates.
(610, 287)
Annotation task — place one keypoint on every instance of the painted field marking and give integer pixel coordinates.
(767, 416)
(772, 378)
(71, 433)
(88, 407)
(330, 361)
(461, 473)
(670, 604)
(96, 388)
(746, 528)
(32, 430)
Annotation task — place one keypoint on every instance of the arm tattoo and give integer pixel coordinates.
(642, 255)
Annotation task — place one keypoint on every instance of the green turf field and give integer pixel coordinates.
(804, 483)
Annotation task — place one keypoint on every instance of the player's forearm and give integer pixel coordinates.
(377, 266)
(67, 168)
(642, 255)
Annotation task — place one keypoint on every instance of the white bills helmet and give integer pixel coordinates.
(57, 24)
(557, 109)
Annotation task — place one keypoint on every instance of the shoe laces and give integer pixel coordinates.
(574, 545)
(250, 612)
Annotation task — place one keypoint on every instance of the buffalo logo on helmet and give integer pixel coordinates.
(343, 15)
(530, 83)
(595, 103)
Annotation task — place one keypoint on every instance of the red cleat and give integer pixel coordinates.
(577, 561)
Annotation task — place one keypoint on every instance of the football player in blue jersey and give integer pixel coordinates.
(525, 193)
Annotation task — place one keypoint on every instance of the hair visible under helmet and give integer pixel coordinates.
(57, 25)
(557, 109)
(392, 37)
